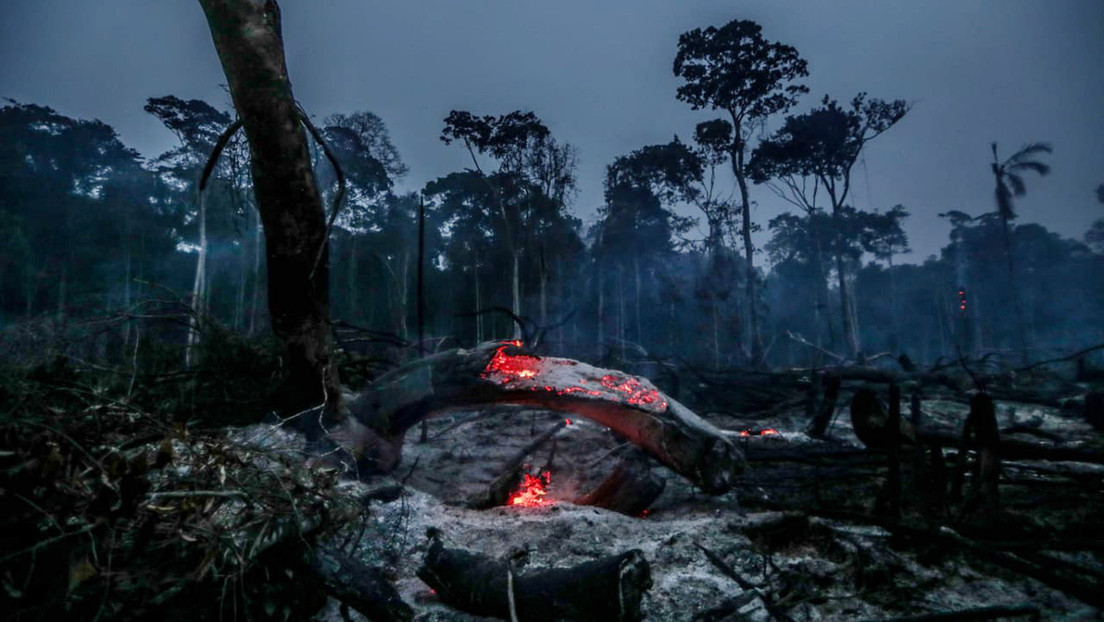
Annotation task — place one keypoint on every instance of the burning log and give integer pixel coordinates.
(606, 589)
(630, 489)
(502, 373)
(498, 492)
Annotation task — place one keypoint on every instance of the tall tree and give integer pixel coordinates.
(1008, 175)
(823, 145)
(247, 36)
(736, 70)
(196, 125)
(531, 166)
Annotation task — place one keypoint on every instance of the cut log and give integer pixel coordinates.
(630, 489)
(503, 373)
(604, 590)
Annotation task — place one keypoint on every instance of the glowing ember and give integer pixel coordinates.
(533, 491)
(638, 394)
(509, 367)
(763, 432)
(534, 373)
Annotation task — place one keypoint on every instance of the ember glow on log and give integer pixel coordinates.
(763, 432)
(537, 374)
(533, 491)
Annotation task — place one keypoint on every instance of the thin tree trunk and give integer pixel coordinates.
(255, 304)
(515, 289)
(478, 303)
(601, 312)
(247, 36)
(636, 277)
(749, 251)
(1016, 302)
(543, 289)
(198, 285)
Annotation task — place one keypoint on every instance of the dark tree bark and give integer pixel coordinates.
(819, 425)
(606, 589)
(248, 39)
(630, 489)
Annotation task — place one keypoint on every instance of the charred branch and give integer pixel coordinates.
(630, 489)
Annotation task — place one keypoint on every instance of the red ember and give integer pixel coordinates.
(525, 371)
(533, 491)
(763, 432)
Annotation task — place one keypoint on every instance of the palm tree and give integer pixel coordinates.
(1010, 183)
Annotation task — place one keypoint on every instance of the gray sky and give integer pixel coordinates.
(599, 74)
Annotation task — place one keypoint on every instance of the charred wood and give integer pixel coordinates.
(630, 489)
(969, 615)
(824, 415)
(498, 492)
(604, 590)
(363, 588)
(503, 374)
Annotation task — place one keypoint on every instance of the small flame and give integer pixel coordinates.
(533, 491)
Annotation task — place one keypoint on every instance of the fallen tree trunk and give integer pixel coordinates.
(604, 590)
(502, 373)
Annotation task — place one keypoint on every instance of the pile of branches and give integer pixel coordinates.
(116, 512)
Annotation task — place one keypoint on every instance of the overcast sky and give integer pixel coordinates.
(599, 74)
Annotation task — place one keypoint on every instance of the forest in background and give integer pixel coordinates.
(93, 234)
(169, 323)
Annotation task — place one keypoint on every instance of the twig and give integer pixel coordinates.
(184, 494)
(979, 613)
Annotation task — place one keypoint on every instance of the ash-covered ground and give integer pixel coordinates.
(814, 568)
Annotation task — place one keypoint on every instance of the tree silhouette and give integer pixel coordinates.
(816, 151)
(736, 70)
(1009, 179)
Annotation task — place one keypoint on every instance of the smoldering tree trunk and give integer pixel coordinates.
(247, 36)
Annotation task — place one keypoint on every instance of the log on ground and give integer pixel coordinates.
(504, 373)
(609, 589)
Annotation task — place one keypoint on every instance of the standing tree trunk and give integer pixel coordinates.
(850, 335)
(247, 36)
(745, 230)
